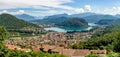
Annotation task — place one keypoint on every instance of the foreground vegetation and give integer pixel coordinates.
(108, 39)
(4, 52)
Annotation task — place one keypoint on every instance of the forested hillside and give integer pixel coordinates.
(11, 22)
(73, 22)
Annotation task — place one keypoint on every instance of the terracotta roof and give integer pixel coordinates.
(58, 49)
(81, 52)
(68, 52)
(36, 49)
(47, 47)
(12, 47)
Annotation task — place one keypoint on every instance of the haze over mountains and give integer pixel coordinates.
(89, 17)
(25, 17)
(62, 19)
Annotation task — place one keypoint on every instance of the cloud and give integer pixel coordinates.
(8, 4)
(15, 12)
(20, 12)
(50, 6)
(79, 10)
(114, 8)
(4, 11)
(88, 7)
(111, 11)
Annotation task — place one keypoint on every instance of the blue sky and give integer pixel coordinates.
(51, 7)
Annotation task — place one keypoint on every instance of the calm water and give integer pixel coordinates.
(65, 29)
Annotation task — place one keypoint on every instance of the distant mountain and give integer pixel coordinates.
(25, 17)
(11, 22)
(52, 19)
(82, 14)
(96, 18)
(73, 22)
(105, 21)
(89, 17)
(57, 15)
(117, 15)
(113, 22)
(116, 22)
(38, 17)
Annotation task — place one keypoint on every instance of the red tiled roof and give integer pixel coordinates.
(68, 52)
(12, 47)
(36, 49)
(81, 52)
(47, 47)
(58, 49)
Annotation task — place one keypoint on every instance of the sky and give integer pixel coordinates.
(52, 7)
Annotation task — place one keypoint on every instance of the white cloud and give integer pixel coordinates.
(111, 11)
(20, 12)
(4, 11)
(88, 7)
(114, 8)
(79, 10)
(40, 4)
(8, 4)
(15, 12)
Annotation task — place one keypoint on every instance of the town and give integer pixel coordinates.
(54, 42)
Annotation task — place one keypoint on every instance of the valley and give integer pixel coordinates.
(60, 35)
(29, 37)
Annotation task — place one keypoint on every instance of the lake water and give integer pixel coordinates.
(65, 29)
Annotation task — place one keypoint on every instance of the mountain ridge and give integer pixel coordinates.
(11, 22)
(89, 17)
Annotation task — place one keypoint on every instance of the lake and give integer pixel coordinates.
(65, 29)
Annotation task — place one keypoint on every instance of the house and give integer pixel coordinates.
(12, 47)
(68, 52)
(71, 52)
(80, 53)
(36, 49)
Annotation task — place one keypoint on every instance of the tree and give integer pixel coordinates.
(3, 33)
(92, 55)
(116, 44)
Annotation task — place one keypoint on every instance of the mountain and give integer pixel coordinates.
(105, 21)
(116, 22)
(89, 17)
(25, 17)
(82, 14)
(57, 15)
(39, 17)
(113, 22)
(117, 15)
(11, 22)
(96, 18)
(52, 19)
(73, 22)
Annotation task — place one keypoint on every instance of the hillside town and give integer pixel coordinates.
(54, 42)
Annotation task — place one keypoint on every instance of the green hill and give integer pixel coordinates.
(11, 22)
(105, 21)
(74, 22)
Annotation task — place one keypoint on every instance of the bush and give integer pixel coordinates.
(92, 55)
